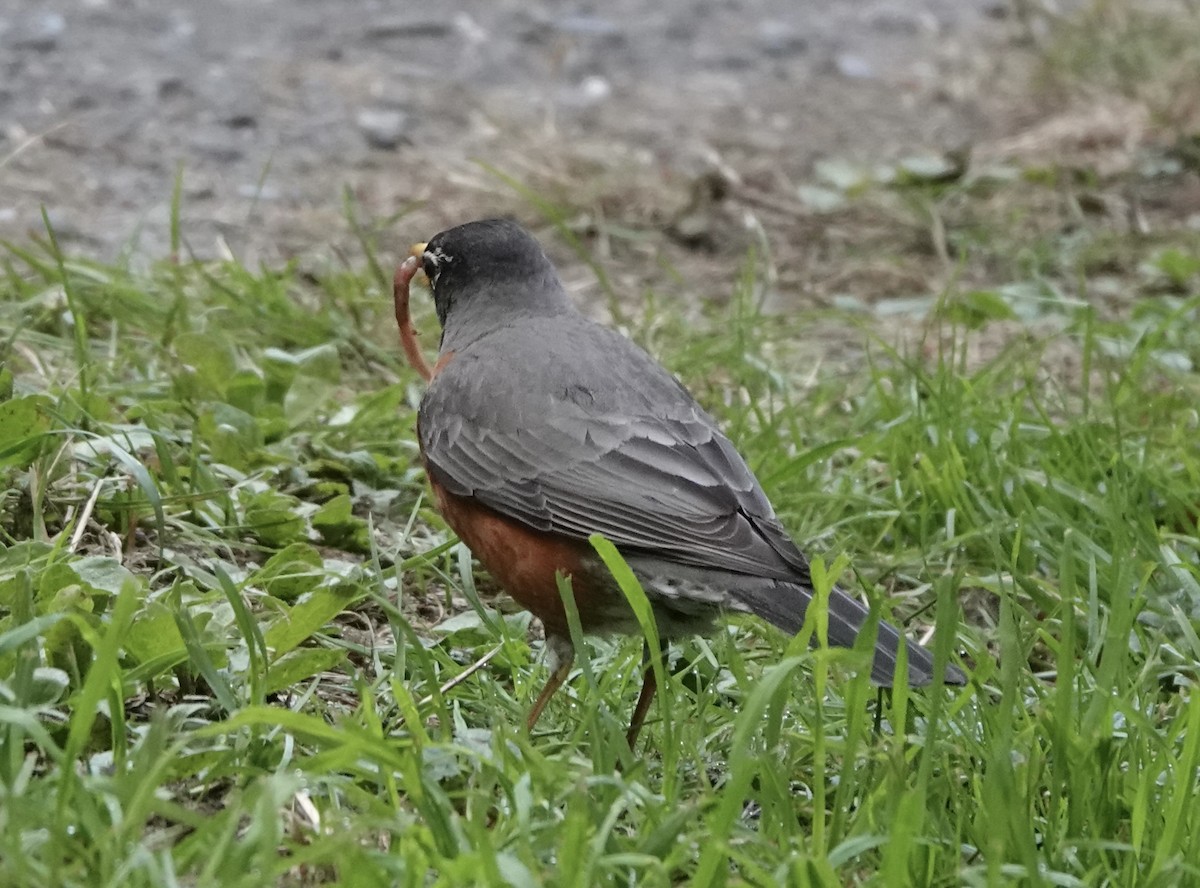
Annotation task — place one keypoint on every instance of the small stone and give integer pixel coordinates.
(469, 29)
(216, 146)
(41, 32)
(840, 174)
(60, 222)
(383, 128)
(780, 39)
(854, 67)
(820, 199)
(258, 191)
(173, 87)
(240, 120)
(595, 88)
(589, 92)
(931, 168)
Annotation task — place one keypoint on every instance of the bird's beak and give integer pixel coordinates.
(418, 250)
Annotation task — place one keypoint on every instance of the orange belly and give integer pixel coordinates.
(525, 563)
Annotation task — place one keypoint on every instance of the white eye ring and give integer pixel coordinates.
(436, 258)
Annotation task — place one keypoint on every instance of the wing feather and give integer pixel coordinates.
(644, 465)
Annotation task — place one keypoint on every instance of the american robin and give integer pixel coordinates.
(540, 427)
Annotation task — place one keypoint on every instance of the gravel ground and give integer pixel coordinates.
(273, 108)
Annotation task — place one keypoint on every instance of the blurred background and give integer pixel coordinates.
(671, 136)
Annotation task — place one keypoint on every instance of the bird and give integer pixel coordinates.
(540, 427)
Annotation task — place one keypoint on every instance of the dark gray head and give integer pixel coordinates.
(489, 269)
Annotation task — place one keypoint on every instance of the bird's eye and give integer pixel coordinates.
(433, 262)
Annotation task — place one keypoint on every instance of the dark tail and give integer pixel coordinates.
(785, 604)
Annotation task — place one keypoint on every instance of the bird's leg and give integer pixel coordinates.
(645, 698)
(553, 683)
(562, 655)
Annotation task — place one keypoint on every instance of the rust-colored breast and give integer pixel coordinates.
(524, 561)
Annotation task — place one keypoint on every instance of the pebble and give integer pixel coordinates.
(854, 67)
(216, 146)
(383, 128)
(588, 92)
(41, 32)
(240, 120)
(779, 39)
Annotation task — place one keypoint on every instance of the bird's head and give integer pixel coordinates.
(473, 267)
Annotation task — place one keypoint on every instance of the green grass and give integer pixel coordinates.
(233, 635)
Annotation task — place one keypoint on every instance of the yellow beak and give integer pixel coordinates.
(418, 250)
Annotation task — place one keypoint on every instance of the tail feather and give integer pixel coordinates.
(686, 599)
(785, 605)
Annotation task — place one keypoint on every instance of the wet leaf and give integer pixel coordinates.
(339, 527)
(24, 423)
(153, 634)
(298, 665)
(290, 572)
(977, 307)
(310, 615)
(209, 358)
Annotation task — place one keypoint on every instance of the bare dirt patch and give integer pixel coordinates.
(271, 108)
(668, 139)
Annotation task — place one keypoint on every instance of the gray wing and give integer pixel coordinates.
(584, 433)
(598, 438)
